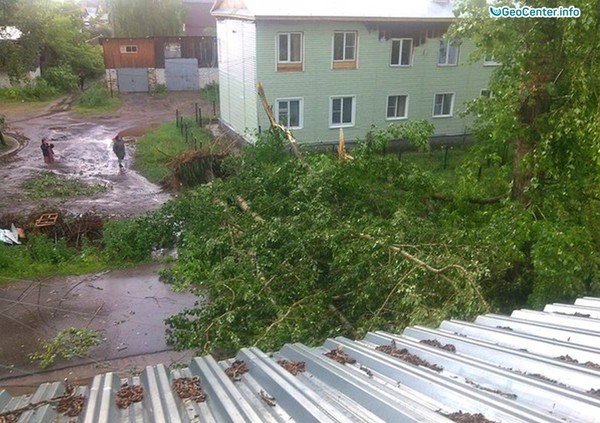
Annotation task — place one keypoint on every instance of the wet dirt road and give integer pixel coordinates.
(83, 149)
(127, 306)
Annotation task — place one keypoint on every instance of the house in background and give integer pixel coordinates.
(198, 20)
(142, 64)
(11, 35)
(336, 64)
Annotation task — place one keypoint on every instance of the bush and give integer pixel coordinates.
(61, 77)
(97, 95)
(36, 90)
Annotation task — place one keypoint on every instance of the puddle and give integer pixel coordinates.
(127, 306)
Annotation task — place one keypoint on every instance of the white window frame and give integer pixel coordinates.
(448, 45)
(406, 102)
(341, 124)
(300, 111)
(133, 48)
(490, 61)
(344, 59)
(289, 52)
(410, 60)
(451, 105)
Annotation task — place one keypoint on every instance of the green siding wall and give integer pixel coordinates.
(371, 83)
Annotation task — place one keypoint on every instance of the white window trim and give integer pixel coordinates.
(123, 48)
(301, 117)
(451, 106)
(289, 47)
(342, 125)
(447, 52)
(344, 49)
(400, 53)
(492, 62)
(387, 99)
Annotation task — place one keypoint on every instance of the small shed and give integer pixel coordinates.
(142, 64)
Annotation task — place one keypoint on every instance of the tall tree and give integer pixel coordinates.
(142, 18)
(546, 94)
(545, 110)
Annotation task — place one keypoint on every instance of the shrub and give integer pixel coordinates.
(61, 77)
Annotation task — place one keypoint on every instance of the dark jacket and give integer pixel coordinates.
(119, 148)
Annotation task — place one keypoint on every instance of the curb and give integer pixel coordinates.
(14, 144)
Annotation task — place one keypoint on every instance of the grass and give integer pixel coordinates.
(96, 100)
(17, 262)
(50, 185)
(158, 148)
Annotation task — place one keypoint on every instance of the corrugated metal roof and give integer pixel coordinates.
(335, 9)
(530, 367)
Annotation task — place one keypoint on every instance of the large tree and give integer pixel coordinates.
(142, 18)
(51, 34)
(546, 94)
(545, 111)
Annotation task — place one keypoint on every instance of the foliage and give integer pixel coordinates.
(67, 344)
(49, 185)
(143, 18)
(52, 31)
(155, 150)
(36, 90)
(96, 99)
(416, 132)
(544, 113)
(159, 90)
(210, 92)
(61, 77)
(134, 239)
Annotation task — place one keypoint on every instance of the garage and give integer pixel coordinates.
(181, 74)
(133, 80)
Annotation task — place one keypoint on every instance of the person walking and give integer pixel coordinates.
(119, 149)
(46, 152)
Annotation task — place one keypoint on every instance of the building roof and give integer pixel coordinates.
(377, 10)
(530, 367)
(10, 33)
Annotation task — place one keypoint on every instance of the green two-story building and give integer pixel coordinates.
(330, 64)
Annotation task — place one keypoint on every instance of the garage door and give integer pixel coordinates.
(181, 74)
(132, 80)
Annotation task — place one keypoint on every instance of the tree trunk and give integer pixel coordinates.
(522, 170)
(2, 140)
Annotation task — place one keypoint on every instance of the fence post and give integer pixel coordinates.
(259, 130)
(177, 118)
(181, 124)
(186, 133)
(196, 113)
(445, 156)
(200, 117)
(214, 108)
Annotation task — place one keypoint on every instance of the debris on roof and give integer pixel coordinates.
(546, 368)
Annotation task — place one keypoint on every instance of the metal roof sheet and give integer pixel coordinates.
(529, 367)
(335, 9)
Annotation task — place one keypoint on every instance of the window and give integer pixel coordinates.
(397, 106)
(402, 52)
(490, 60)
(344, 50)
(289, 112)
(289, 51)
(486, 93)
(448, 54)
(128, 49)
(342, 112)
(443, 105)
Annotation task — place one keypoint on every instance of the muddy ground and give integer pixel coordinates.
(84, 151)
(128, 307)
